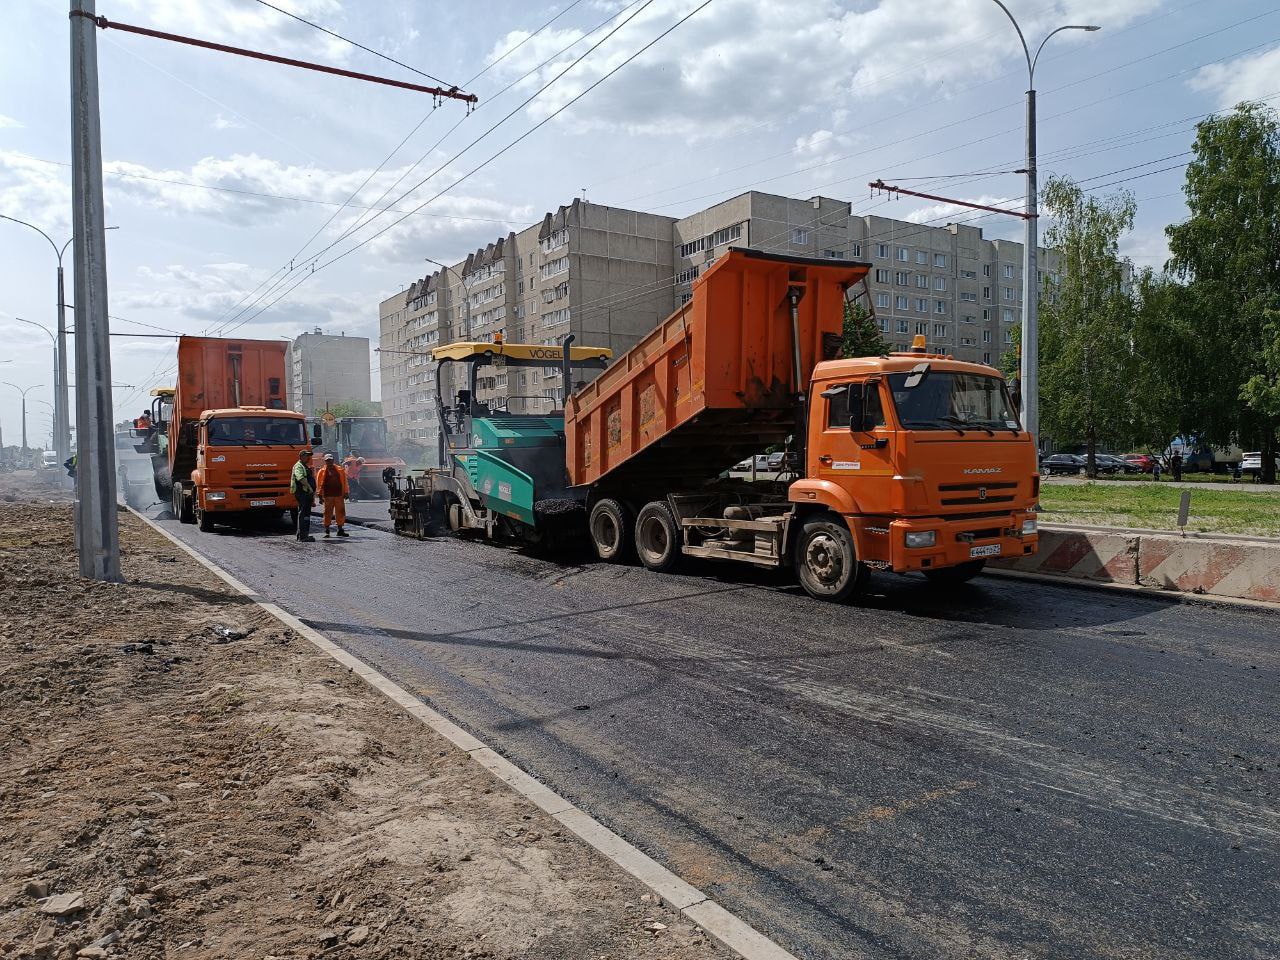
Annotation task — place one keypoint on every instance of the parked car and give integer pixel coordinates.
(776, 460)
(1252, 463)
(49, 460)
(1142, 462)
(761, 464)
(1062, 463)
(1109, 463)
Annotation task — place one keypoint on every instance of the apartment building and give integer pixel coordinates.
(961, 291)
(602, 273)
(326, 369)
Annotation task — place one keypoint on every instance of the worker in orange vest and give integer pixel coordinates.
(352, 465)
(332, 488)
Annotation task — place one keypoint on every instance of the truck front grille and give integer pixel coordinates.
(976, 494)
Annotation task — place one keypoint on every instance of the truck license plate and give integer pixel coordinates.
(986, 550)
(262, 503)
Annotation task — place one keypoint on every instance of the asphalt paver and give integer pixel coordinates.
(1008, 769)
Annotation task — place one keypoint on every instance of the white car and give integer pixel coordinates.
(761, 462)
(1252, 462)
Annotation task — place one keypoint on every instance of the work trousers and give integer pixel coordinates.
(335, 508)
(304, 517)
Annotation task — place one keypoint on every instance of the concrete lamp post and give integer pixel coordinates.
(1029, 372)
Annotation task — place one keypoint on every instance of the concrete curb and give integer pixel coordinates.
(1221, 568)
(719, 924)
(1154, 593)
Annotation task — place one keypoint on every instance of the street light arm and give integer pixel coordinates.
(42, 327)
(1070, 26)
(1025, 49)
(36, 229)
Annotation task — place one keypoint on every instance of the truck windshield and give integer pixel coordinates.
(257, 431)
(949, 401)
(368, 435)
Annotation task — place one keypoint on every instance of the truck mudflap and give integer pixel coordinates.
(934, 543)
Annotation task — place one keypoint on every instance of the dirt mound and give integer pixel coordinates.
(185, 776)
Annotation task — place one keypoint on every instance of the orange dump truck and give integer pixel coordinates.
(906, 462)
(229, 443)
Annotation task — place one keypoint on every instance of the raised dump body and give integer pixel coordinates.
(716, 381)
(217, 374)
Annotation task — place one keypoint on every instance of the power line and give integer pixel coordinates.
(364, 219)
(360, 46)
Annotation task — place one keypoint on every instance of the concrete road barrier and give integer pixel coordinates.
(1240, 567)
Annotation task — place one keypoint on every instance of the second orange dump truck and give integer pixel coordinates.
(910, 462)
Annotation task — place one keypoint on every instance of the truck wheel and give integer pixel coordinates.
(952, 576)
(826, 562)
(453, 513)
(182, 505)
(610, 526)
(203, 520)
(657, 537)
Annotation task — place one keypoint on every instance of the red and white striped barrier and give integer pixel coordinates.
(1217, 566)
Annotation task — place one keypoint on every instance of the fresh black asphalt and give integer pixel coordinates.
(1010, 769)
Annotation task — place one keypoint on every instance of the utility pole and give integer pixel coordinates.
(1029, 370)
(97, 528)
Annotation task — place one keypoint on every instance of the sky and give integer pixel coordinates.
(265, 200)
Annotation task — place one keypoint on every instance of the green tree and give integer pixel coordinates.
(861, 336)
(1228, 252)
(355, 408)
(1086, 320)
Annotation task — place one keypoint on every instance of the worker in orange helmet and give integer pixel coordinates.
(352, 465)
(332, 488)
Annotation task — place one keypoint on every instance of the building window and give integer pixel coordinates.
(882, 251)
(693, 246)
(799, 235)
(855, 250)
(903, 255)
(922, 305)
(939, 306)
(1008, 335)
(725, 235)
(922, 281)
(986, 358)
(557, 239)
(986, 269)
(882, 276)
(939, 283)
(555, 317)
(968, 296)
(884, 325)
(966, 341)
(555, 267)
(882, 300)
(921, 326)
(902, 326)
(833, 254)
(939, 259)
(902, 278)
(1008, 294)
(687, 275)
(967, 318)
(1008, 271)
(922, 257)
(685, 298)
(986, 294)
(986, 336)
(986, 316)
(968, 275)
(1007, 316)
(901, 303)
(939, 330)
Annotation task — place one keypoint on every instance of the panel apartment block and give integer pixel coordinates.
(325, 369)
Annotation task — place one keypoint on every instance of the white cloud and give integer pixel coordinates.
(821, 146)
(223, 122)
(9, 122)
(1244, 78)
(732, 64)
(939, 211)
(250, 25)
(35, 191)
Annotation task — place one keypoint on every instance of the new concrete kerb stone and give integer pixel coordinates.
(722, 926)
(1245, 568)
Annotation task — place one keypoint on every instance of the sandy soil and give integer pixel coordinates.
(169, 791)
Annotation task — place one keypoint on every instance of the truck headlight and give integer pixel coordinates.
(1028, 527)
(215, 496)
(924, 538)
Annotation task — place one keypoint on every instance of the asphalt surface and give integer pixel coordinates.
(1007, 770)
